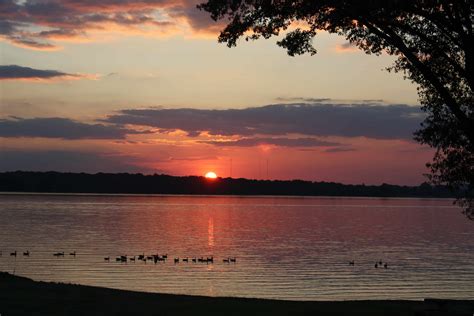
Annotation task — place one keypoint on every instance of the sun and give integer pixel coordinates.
(211, 175)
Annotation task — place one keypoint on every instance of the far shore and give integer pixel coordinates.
(23, 296)
(226, 195)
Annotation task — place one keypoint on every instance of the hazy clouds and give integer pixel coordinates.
(279, 141)
(67, 161)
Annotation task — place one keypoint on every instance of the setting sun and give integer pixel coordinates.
(211, 175)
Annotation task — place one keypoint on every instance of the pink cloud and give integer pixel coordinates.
(59, 20)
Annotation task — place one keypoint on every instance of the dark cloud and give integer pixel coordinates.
(68, 161)
(330, 100)
(34, 23)
(339, 149)
(14, 72)
(55, 127)
(282, 142)
(321, 119)
(193, 158)
(303, 99)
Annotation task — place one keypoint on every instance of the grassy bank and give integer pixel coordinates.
(23, 296)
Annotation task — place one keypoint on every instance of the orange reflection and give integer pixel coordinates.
(210, 232)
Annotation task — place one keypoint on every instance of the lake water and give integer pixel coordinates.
(286, 247)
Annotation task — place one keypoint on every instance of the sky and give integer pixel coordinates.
(144, 86)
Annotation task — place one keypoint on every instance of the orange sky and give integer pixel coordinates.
(154, 92)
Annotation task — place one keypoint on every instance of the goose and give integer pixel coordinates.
(165, 256)
(118, 259)
(226, 260)
(149, 258)
(176, 260)
(132, 258)
(210, 259)
(194, 259)
(73, 254)
(59, 254)
(351, 263)
(107, 259)
(234, 260)
(385, 265)
(185, 260)
(376, 265)
(141, 257)
(13, 254)
(26, 253)
(380, 262)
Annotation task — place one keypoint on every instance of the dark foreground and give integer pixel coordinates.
(23, 296)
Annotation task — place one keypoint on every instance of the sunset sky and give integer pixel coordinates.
(143, 86)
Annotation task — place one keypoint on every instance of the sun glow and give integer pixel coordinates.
(211, 175)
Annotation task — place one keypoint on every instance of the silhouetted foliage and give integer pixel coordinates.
(57, 182)
(432, 40)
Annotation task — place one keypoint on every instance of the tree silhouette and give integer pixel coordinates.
(432, 40)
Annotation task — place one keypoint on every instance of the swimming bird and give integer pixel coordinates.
(385, 265)
(107, 259)
(185, 260)
(351, 263)
(176, 260)
(226, 260)
(376, 265)
(380, 262)
(194, 259)
(13, 254)
(165, 256)
(132, 258)
(26, 253)
(59, 254)
(73, 254)
(234, 260)
(210, 259)
(141, 257)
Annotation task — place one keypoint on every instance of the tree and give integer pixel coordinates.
(432, 40)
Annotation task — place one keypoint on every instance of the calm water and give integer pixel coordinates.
(286, 248)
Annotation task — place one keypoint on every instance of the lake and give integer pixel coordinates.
(285, 247)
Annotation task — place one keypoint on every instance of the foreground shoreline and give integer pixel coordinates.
(23, 296)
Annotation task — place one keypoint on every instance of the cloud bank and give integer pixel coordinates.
(55, 127)
(319, 119)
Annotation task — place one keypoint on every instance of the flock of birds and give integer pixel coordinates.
(154, 258)
(378, 264)
(27, 254)
(163, 258)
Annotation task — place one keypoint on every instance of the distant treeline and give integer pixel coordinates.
(57, 182)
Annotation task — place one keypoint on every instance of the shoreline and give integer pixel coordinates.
(23, 296)
(250, 196)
